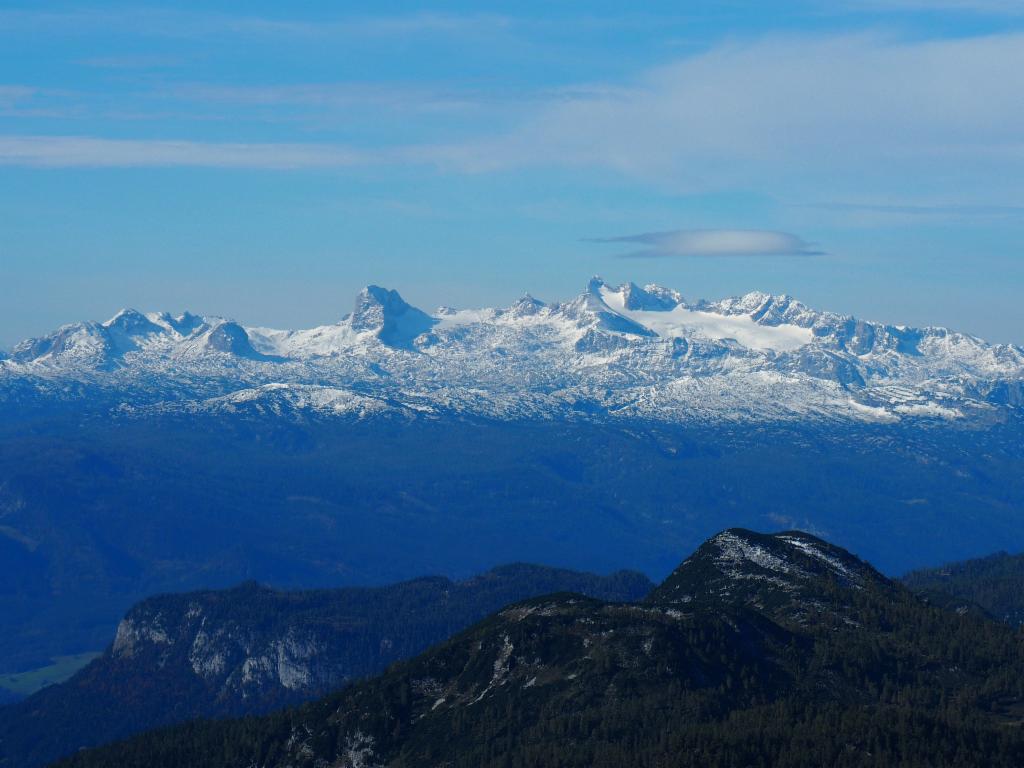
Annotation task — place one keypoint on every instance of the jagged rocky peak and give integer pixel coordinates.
(630, 297)
(666, 295)
(766, 309)
(385, 313)
(651, 298)
(230, 338)
(373, 305)
(595, 284)
(591, 310)
(184, 324)
(765, 570)
(777, 310)
(131, 322)
(526, 306)
(88, 342)
(128, 328)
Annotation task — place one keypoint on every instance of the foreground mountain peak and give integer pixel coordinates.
(786, 571)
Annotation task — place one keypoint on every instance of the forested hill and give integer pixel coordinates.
(994, 583)
(252, 649)
(759, 650)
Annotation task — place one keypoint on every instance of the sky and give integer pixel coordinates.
(264, 161)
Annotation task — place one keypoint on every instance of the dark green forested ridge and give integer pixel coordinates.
(252, 649)
(994, 583)
(759, 650)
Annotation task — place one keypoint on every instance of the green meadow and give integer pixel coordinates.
(63, 667)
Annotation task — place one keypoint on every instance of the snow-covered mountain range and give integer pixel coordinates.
(611, 352)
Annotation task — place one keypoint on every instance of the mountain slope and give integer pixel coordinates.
(251, 649)
(799, 655)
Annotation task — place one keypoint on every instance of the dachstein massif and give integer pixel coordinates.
(157, 452)
(616, 354)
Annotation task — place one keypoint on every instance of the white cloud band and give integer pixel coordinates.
(84, 151)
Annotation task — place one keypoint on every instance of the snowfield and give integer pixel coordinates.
(681, 322)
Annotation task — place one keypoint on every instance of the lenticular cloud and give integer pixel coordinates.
(714, 242)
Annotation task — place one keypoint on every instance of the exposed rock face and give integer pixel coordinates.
(134, 634)
(235, 658)
(386, 314)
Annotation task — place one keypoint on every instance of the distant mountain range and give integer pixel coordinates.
(611, 353)
(251, 649)
(778, 650)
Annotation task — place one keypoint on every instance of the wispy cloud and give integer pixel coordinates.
(909, 209)
(132, 62)
(84, 151)
(988, 7)
(392, 94)
(12, 94)
(783, 116)
(847, 114)
(387, 96)
(713, 243)
(173, 23)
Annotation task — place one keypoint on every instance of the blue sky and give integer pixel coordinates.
(266, 163)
